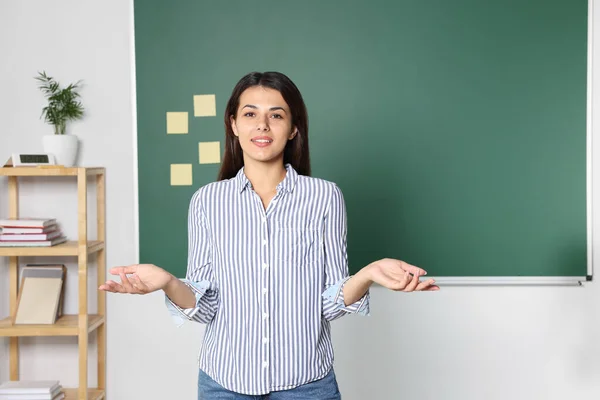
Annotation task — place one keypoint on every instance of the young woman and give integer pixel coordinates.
(267, 264)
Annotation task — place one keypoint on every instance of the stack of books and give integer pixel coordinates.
(30, 232)
(31, 390)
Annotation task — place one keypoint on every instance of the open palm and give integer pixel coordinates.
(137, 279)
(400, 276)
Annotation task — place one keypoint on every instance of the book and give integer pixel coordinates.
(30, 386)
(45, 229)
(55, 395)
(34, 243)
(57, 271)
(29, 237)
(30, 222)
(38, 300)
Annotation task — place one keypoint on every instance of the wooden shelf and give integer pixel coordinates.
(70, 248)
(49, 171)
(67, 325)
(81, 248)
(93, 394)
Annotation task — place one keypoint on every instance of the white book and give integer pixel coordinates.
(30, 222)
(29, 386)
(34, 243)
(45, 229)
(55, 395)
(29, 237)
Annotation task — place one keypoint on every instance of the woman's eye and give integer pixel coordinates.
(277, 116)
(249, 114)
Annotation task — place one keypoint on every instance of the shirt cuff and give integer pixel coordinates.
(335, 294)
(181, 315)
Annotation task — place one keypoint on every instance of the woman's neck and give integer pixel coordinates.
(264, 177)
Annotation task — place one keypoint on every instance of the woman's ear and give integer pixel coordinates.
(233, 127)
(294, 133)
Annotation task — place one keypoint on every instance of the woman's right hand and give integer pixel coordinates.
(137, 279)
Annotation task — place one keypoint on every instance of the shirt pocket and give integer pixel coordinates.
(296, 245)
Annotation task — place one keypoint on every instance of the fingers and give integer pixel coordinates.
(138, 284)
(126, 286)
(104, 287)
(398, 274)
(427, 285)
(405, 266)
(396, 282)
(412, 269)
(127, 269)
(112, 286)
(416, 286)
(412, 285)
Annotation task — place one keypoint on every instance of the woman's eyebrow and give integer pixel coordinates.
(270, 109)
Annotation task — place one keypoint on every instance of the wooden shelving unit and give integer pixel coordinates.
(82, 323)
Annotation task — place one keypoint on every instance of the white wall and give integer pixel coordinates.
(460, 343)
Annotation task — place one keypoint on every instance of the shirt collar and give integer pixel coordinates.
(288, 183)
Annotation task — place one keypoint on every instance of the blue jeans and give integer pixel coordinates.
(325, 388)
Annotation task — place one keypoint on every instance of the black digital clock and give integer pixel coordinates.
(32, 159)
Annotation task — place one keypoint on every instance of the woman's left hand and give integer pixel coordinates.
(400, 276)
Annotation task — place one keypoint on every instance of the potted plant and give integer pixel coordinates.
(63, 106)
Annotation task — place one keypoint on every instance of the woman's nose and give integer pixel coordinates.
(263, 124)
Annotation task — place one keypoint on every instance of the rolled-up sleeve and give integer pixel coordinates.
(336, 262)
(199, 275)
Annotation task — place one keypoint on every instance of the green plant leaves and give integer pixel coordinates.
(63, 104)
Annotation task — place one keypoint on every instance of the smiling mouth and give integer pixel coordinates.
(261, 140)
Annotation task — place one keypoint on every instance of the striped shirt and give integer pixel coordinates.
(267, 282)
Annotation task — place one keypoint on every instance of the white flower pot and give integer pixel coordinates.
(63, 147)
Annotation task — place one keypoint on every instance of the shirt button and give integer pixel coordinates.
(265, 340)
(265, 364)
(265, 265)
(265, 291)
(265, 315)
(264, 242)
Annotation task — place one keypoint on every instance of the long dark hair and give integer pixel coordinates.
(296, 150)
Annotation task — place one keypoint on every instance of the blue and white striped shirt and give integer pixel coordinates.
(267, 282)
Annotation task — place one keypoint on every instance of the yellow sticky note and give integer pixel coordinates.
(210, 152)
(205, 105)
(181, 174)
(177, 122)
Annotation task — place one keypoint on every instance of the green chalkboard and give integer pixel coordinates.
(455, 129)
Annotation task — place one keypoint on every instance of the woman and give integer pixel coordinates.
(267, 263)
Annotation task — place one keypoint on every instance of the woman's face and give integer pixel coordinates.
(263, 125)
